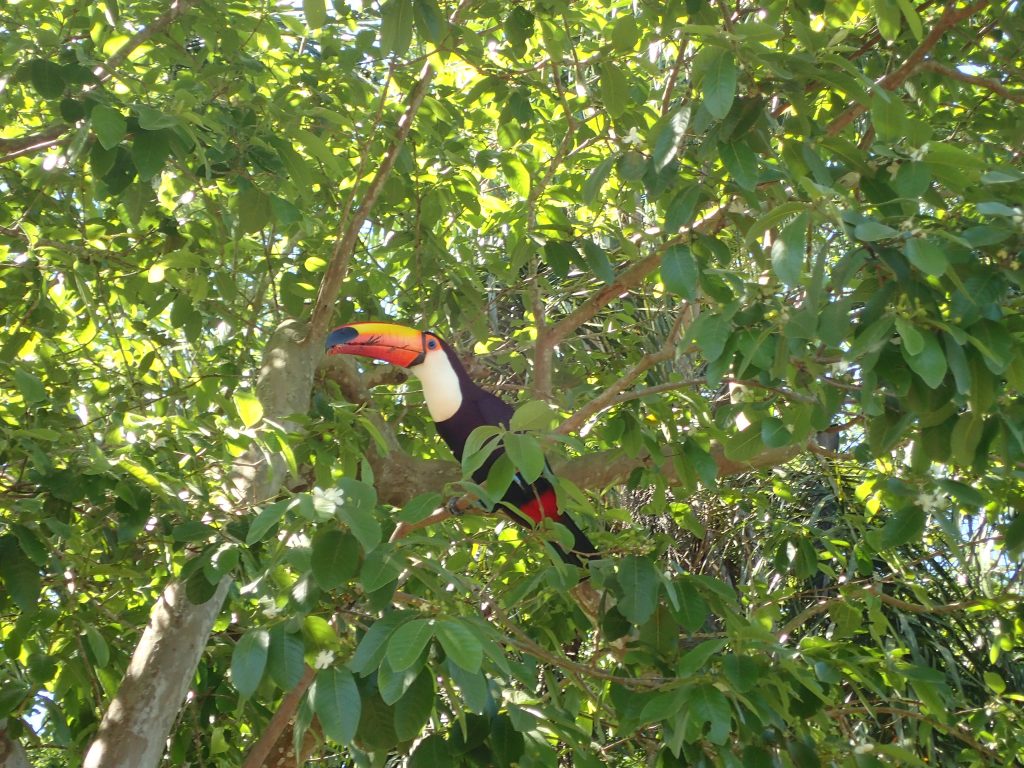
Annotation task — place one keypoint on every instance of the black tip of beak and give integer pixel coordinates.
(342, 335)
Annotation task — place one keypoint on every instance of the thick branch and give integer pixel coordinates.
(257, 756)
(897, 77)
(337, 268)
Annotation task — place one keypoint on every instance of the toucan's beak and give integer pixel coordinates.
(394, 343)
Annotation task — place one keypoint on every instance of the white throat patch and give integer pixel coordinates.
(441, 388)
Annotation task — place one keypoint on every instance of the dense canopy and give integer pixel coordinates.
(749, 271)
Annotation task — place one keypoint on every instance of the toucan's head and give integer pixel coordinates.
(390, 342)
(425, 356)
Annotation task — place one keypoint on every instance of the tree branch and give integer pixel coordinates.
(12, 148)
(608, 396)
(988, 83)
(550, 336)
(348, 236)
(279, 722)
(897, 77)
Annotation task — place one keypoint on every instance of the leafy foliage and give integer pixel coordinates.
(763, 261)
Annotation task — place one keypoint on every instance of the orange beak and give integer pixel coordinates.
(390, 342)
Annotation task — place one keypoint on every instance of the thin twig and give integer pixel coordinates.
(982, 82)
(603, 400)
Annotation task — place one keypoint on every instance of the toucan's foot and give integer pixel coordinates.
(454, 507)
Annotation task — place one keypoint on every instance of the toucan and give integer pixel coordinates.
(457, 406)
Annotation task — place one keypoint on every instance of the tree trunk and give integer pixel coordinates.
(12, 754)
(135, 727)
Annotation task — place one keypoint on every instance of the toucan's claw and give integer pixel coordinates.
(455, 509)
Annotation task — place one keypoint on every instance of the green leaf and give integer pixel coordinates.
(682, 211)
(693, 608)
(412, 711)
(408, 642)
(625, 33)
(358, 505)
(532, 415)
(906, 525)
(640, 585)
(889, 115)
(30, 386)
(670, 137)
(250, 409)
(517, 175)
(508, 744)
(430, 22)
(742, 672)
(420, 507)
(335, 558)
(887, 14)
(432, 752)
(719, 82)
(249, 660)
(396, 20)
(775, 432)
(741, 163)
(632, 166)
(253, 210)
(373, 645)
(614, 89)
(913, 340)
(151, 119)
(473, 686)
(707, 704)
(336, 701)
(871, 231)
(696, 660)
(285, 657)
(109, 124)
(18, 576)
(789, 249)
(460, 644)
(966, 437)
(559, 254)
(597, 261)
(596, 180)
(380, 568)
(930, 363)
(47, 78)
(679, 271)
(519, 27)
(268, 517)
(315, 12)
(149, 153)
(526, 455)
(926, 255)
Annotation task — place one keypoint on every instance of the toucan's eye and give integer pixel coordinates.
(432, 344)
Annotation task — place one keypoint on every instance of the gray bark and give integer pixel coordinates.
(12, 754)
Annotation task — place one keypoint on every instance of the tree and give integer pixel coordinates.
(752, 272)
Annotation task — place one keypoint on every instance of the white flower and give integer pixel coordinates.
(324, 659)
(931, 502)
(326, 501)
(632, 138)
(270, 608)
(919, 153)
